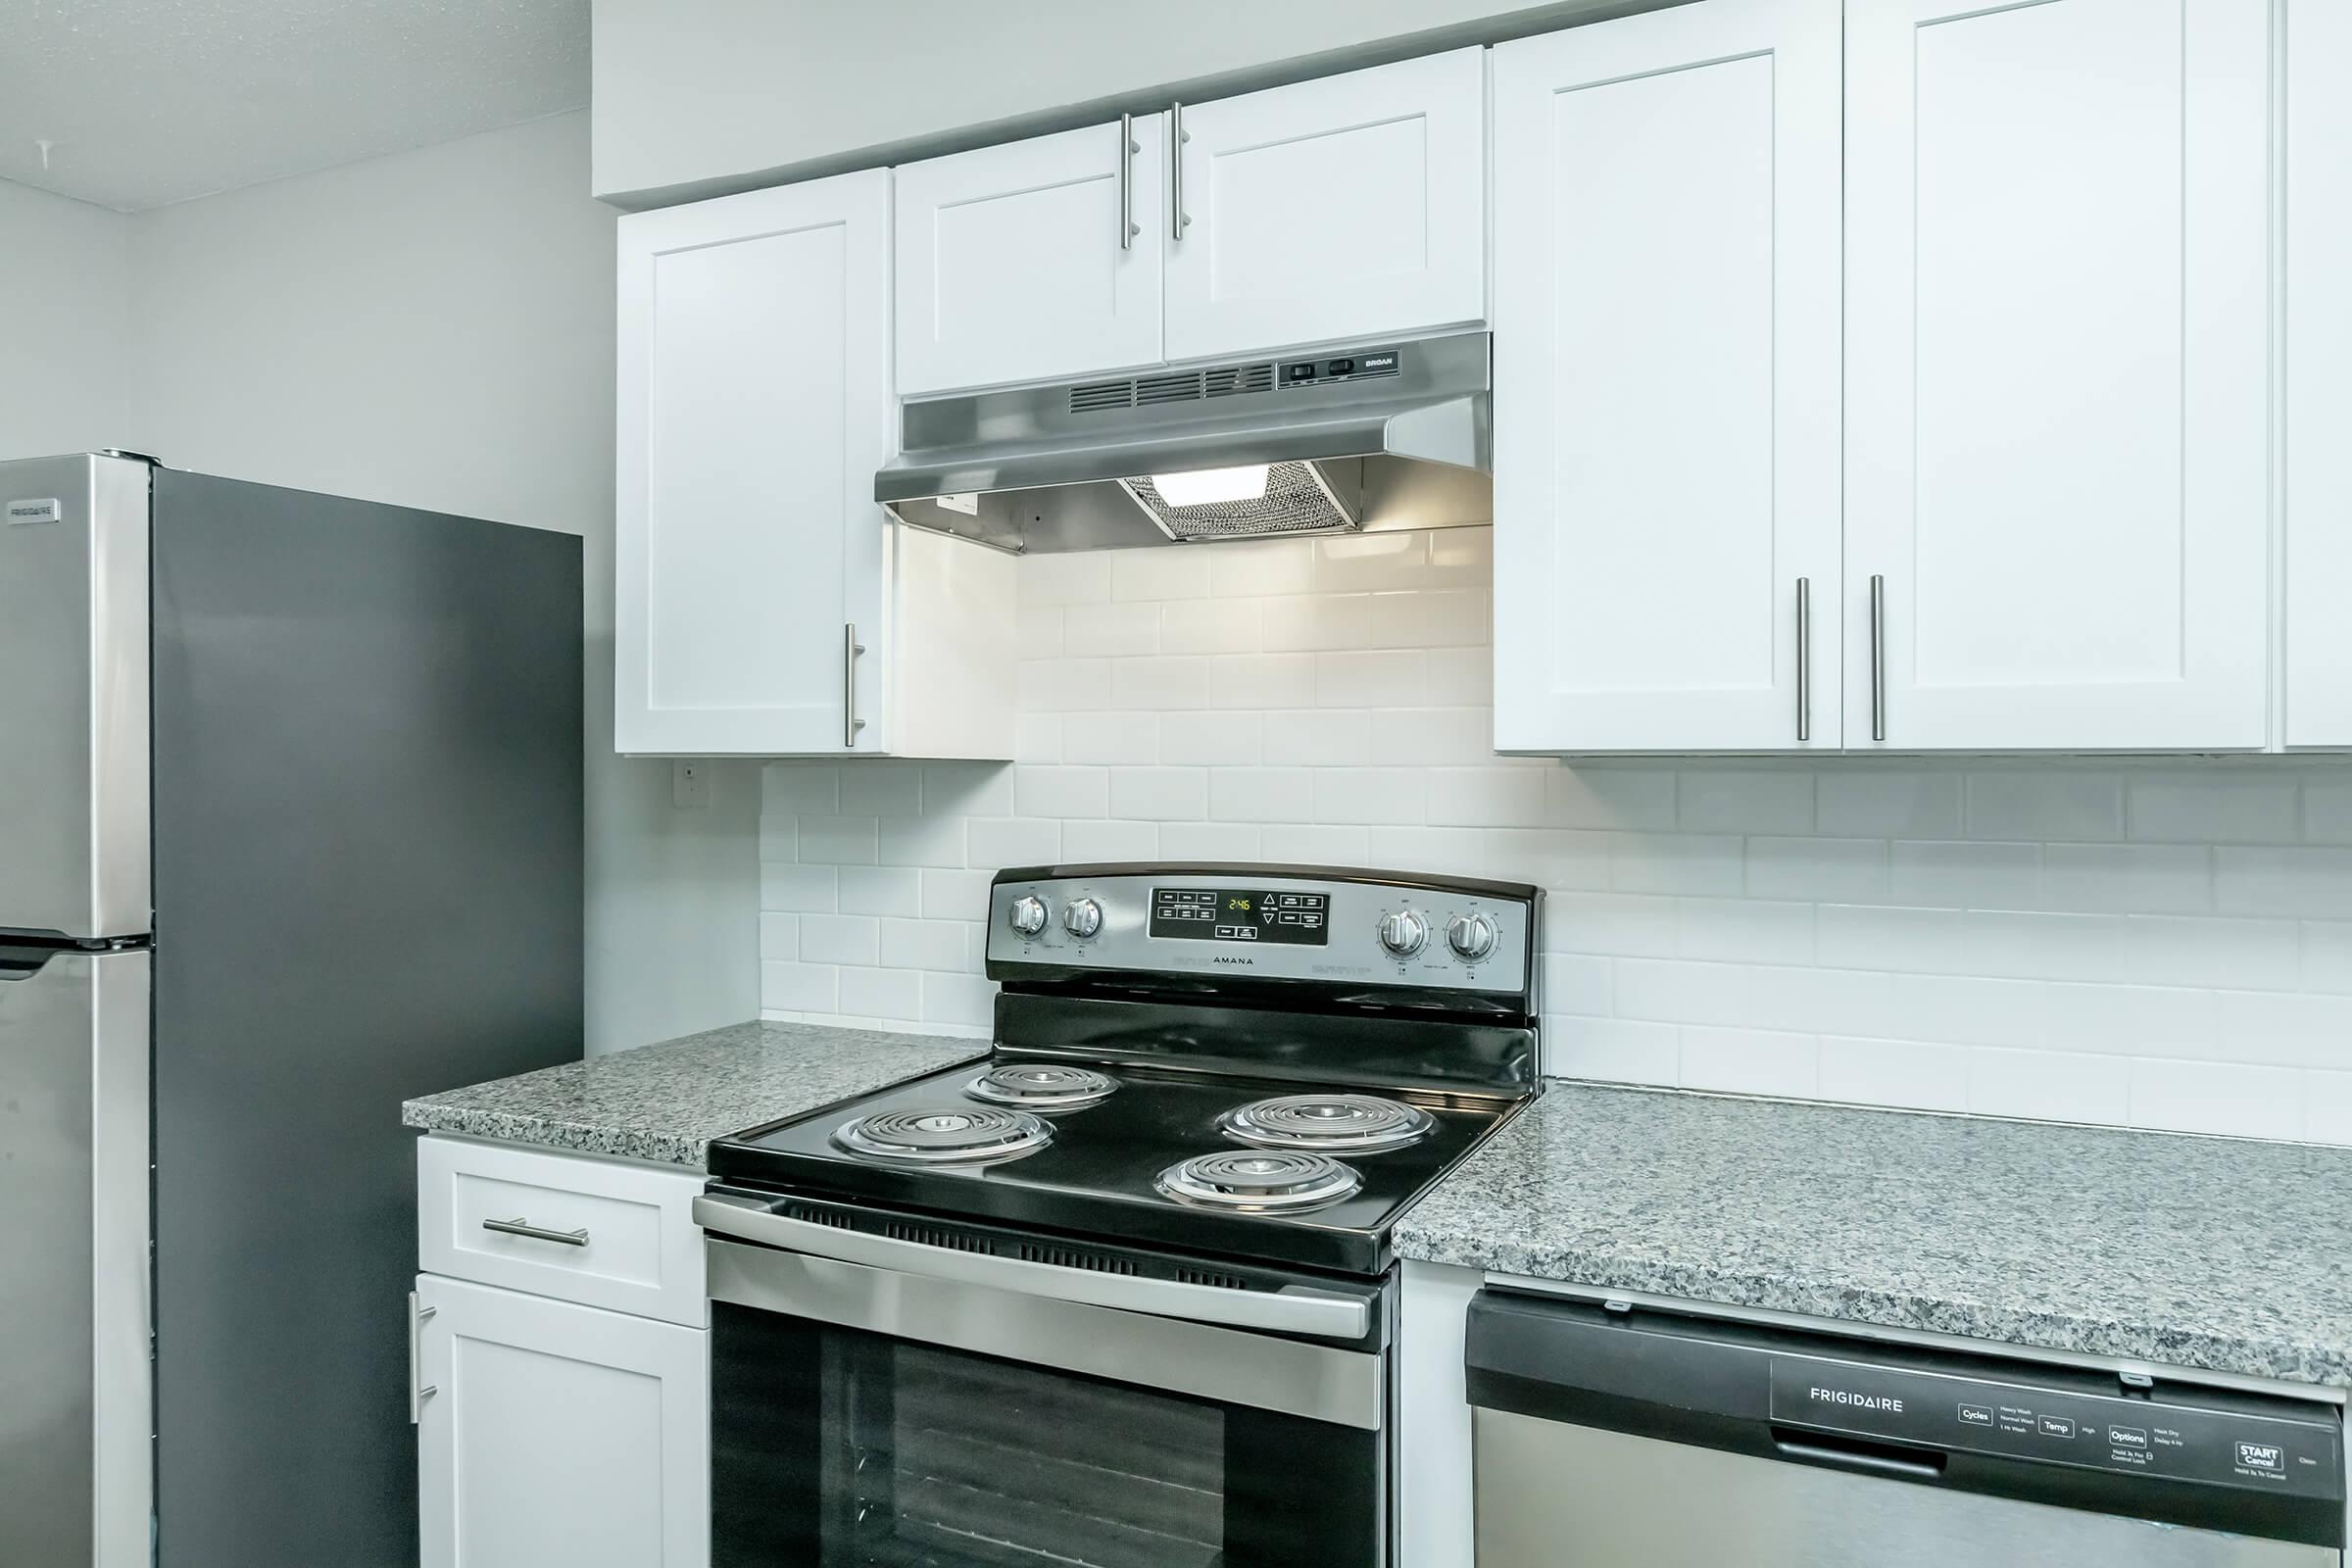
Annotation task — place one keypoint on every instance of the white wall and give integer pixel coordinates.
(436, 328)
(2150, 943)
(784, 88)
(65, 324)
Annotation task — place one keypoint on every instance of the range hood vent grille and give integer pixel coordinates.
(1181, 386)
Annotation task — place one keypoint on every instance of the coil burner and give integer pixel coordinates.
(1253, 1181)
(953, 1135)
(1351, 1124)
(1042, 1086)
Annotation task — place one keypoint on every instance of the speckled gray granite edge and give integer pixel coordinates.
(2218, 1255)
(665, 1103)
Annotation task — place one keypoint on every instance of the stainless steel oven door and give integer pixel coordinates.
(933, 1403)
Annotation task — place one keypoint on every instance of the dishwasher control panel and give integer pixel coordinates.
(2148, 1434)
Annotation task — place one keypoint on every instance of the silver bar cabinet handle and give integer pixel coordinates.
(417, 1393)
(1877, 658)
(1127, 151)
(1804, 659)
(1177, 220)
(535, 1232)
(851, 648)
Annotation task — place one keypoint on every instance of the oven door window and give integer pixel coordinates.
(839, 1448)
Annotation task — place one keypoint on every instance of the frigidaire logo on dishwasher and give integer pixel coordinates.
(1858, 1402)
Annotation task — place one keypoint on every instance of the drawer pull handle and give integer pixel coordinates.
(535, 1232)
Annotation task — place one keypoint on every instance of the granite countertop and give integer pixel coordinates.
(667, 1102)
(2223, 1255)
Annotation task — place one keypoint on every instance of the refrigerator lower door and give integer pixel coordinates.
(74, 690)
(76, 1379)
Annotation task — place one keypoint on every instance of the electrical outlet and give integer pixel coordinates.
(690, 786)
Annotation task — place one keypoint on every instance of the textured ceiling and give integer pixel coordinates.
(146, 102)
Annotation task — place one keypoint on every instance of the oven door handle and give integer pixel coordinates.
(1293, 1310)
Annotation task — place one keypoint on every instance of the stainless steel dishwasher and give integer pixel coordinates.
(1608, 1437)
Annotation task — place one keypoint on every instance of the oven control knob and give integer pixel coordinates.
(1083, 918)
(1028, 914)
(1470, 936)
(1402, 932)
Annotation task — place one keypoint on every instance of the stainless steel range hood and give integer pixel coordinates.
(1394, 435)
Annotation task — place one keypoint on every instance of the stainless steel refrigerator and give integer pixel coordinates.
(290, 831)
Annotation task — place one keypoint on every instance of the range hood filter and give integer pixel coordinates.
(1298, 500)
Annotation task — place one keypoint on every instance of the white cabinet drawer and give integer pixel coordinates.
(593, 1231)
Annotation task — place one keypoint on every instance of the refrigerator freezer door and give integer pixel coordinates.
(73, 804)
(76, 1379)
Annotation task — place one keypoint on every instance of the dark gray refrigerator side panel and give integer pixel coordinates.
(75, 1396)
(73, 697)
(368, 874)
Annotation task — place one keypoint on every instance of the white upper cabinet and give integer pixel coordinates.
(1348, 207)
(1033, 260)
(765, 603)
(2057, 374)
(2318, 374)
(755, 409)
(1666, 381)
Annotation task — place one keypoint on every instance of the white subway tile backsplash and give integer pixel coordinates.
(2100, 941)
(799, 889)
(2129, 878)
(1870, 804)
(995, 842)
(1895, 1072)
(968, 789)
(2211, 1097)
(1173, 680)
(881, 890)
(1969, 875)
(1159, 572)
(1210, 840)
(1110, 740)
(2212, 807)
(882, 994)
(1100, 842)
(1328, 737)
(1061, 791)
(2045, 804)
(1826, 871)
(1751, 1061)
(1213, 737)
(2051, 1085)
(1109, 631)
(1747, 801)
(1159, 794)
(1614, 1050)
(841, 938)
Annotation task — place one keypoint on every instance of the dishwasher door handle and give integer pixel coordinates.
(1878, 1464)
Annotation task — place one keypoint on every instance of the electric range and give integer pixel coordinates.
(1160, 1211)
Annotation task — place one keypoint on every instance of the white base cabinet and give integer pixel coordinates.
(557, 1436)
(765, 604)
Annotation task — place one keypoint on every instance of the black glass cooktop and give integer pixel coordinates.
(1097, 1176)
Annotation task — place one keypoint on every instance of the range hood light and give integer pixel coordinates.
(1210, 487)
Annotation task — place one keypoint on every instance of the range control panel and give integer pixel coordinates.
(1267, 922)
(2152, 1436)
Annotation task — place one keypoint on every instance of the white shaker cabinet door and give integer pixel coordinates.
(1011, 264)
(2318, 374)
(755, 408)
(1348, 206)
(2057, 374)
(1666, 369)
(557, 1436)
